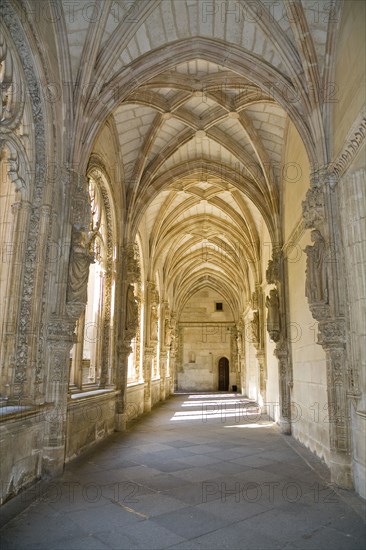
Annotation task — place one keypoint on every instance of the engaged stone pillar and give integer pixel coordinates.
(123, 352)
(281, 353)
(163, 366)
(60, 340)
(326, 299)
(277, 329)
(148, 357)
(332, 338)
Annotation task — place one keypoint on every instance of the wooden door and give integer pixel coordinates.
(223, 374)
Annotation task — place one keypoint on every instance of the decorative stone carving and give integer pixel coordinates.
(80, 199)
(353, 143)
(285, 379)
(273, 315)
(81, 256)
(12, 89)
(61, 329)
(254, 325)
(132, 263)
(154, 323)
(261, 358)
(131, 314)
(13, 164)
(273, 270)
(167, 332)
(32, 269)
(331, 333)
(255, 300)
(313, 207)
(317, 286)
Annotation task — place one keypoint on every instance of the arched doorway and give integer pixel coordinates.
(223, 374)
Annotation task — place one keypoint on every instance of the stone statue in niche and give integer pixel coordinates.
(316, 285)
(255, 328)
(154, 323)
(81, 256)
(273, 315)
(167, 333)
(131, 312)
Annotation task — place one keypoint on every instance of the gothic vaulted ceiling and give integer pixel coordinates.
(199, 95)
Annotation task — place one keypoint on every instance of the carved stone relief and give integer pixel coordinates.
(273, 315)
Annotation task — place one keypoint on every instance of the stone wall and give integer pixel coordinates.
(21, 436)
(309, 393)
(135, 400)
(89, 420)
(353, 209)
(205, 338)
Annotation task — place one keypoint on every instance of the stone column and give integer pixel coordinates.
(258, 340)
(128, 322)
(148, 357)
(285, 385)
(163, 364)
(276, 327)
(77, 374)
(59, 342)
(13, 370)
(333, 339)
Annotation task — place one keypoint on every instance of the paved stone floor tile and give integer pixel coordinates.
(197, 483)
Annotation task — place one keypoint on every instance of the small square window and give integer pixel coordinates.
(219, 306)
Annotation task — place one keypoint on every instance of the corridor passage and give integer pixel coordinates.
(199, 471)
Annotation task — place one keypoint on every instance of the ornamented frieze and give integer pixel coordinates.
(353, 143)
(61, 329)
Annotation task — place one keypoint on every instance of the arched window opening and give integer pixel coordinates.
(89, 358)
(134, 366)
(8, 239)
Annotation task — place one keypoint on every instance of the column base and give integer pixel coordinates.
(147, 405)
(341, 471)
(53, 461)
(120, 422)
(147, 397)
(285, 426)
(162, 390)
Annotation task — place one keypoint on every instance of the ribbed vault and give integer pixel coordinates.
(201, 149)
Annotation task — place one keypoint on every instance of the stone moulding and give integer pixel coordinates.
(30, 265)
(354, 141)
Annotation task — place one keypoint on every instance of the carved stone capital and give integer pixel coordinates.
(61, 329)
(332, 333)
(149, 352)
(74, 310)
(319, 311)
(124, 348)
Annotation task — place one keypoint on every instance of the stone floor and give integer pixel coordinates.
(200, 471)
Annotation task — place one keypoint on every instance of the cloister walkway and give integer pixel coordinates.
(199, 471)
